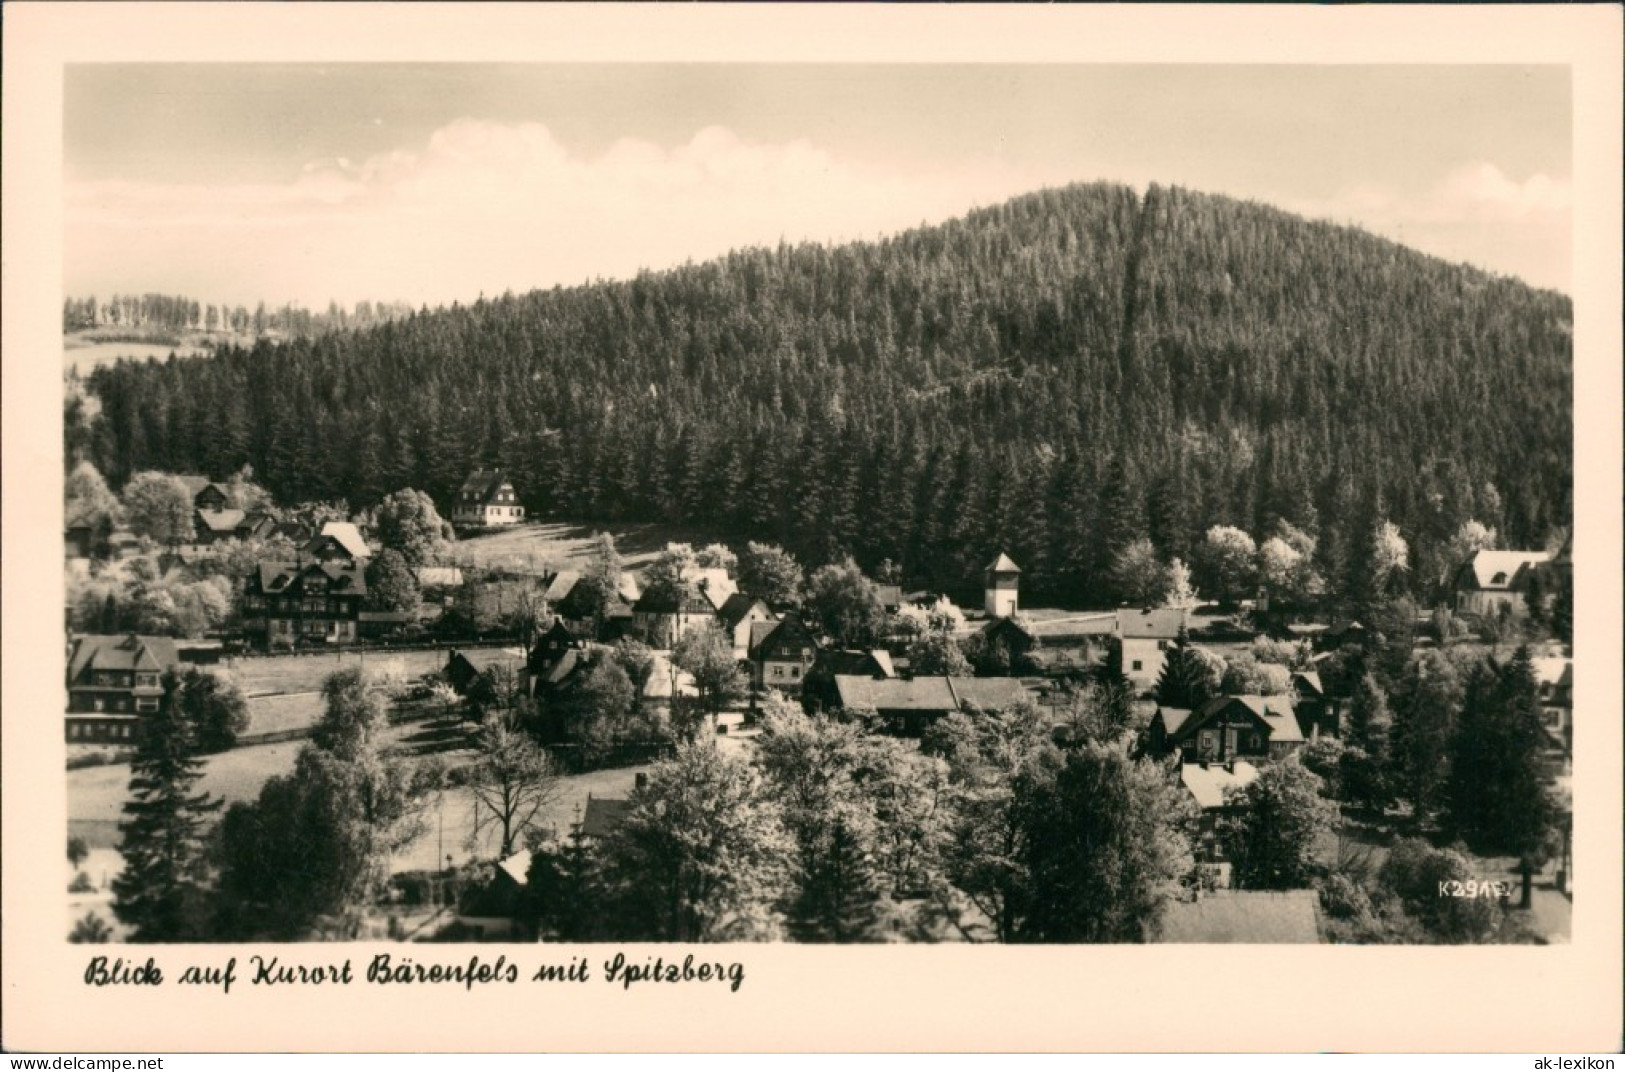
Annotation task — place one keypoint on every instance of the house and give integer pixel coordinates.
(491, 909)
(559, 586)
(459, 672)
(211, 526)
(1000, 595)
(552, 659)
(207, 496)
(665, 615)
(781, 653)
(381, 624)
(1146, 636)
(338, 541)
(909, 705)
(1491, 580)
(1555, 677)
(112, 682)
(1226, 727)
(1208, 784)
(256, 525)
(1319, 715)
(286, 604)
(487, 498)
(604, 815)
(1005, 645)
(714, 583)
(737, 614)
(818, 685)
(1244, 917)
(890, 596)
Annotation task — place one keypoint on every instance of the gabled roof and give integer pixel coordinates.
(1276, 712)
(628, 588)
(1002, 564)
(892, 694)
(1000, 625)
(760, 631)
(224, 522)
(345, 578)
(854, 663)
(714, 583)
(890, 595)
(1308, 681)
(1251, 917)
(685, 599)
(1173, 718)
(348, 536)
(483, 485)
(604, 815)
(790, 632)
(517, 867)
(927, 693)
(194, 482)
(129, 652)
(557, 671)
(1496, 571)
(738, 607)
(988, 693)
(1161, 624)
(1208, 784)
(561, 585)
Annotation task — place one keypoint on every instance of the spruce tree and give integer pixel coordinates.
(159, 893)
(1499, 792)
(1185, 681)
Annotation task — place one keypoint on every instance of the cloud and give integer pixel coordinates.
(484, 206)
(1475, 213)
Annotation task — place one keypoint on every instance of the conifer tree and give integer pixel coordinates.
(1186, 680)
(160, 892)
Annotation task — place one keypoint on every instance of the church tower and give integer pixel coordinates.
(1003, 578)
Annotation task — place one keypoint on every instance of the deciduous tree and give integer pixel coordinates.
(701, 855)
(1271, 836)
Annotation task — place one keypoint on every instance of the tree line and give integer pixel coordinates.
(1058, 376)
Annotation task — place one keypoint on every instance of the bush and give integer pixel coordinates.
(1413, 873)
(81, 884)
(1343, 898)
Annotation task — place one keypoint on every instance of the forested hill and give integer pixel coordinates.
(1053, 377)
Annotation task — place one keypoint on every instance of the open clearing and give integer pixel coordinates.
(559, 545)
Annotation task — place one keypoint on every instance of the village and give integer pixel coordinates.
(539, 692)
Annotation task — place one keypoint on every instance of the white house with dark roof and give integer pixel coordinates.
(1146, 636)
(1491, 580)
(487, 498)
(338, 541)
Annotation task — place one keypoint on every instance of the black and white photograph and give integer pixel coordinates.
(723, 504)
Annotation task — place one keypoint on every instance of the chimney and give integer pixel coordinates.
(641, 780)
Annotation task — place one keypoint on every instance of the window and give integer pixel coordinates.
(146, 707)
(73, 729)
(98, 704)
(1162, 645)
(1138, 665)
(778, 671)
(795, 671)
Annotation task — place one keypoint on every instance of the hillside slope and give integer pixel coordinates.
(1051, 376)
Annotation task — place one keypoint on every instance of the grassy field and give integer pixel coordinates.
(561, 545)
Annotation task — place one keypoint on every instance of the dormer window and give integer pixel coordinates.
(1499, 578)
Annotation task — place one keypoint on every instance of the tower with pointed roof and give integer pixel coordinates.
(1003, 579)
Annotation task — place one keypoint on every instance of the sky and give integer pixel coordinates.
(433, 183)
